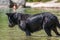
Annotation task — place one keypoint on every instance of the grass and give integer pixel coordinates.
(15, 33)
(58, 1)
(41, 1)
(45, 0)
(38, 0)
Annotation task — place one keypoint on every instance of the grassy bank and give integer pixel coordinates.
(38, 0)
(58, 1)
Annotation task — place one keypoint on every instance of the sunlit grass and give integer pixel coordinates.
(38, 0)
(58, 1)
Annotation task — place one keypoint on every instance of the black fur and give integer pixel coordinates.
(32, 23)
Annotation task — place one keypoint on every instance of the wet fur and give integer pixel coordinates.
(31, 23)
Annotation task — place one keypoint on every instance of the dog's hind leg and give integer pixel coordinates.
(55, 30)
(47, 29)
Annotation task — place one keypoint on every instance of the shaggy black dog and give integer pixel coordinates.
(32, 23)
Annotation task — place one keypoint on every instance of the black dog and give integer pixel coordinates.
(30, 24)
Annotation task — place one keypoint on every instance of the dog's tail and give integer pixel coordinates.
(58, 24)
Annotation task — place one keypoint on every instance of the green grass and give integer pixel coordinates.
(45, 0)
(15, 33)
(38, 0)
(58, 1)
(41, 0)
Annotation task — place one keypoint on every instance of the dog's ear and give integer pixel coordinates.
(7, 14)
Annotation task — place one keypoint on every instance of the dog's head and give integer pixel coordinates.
(12, 19)
(16, 18)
